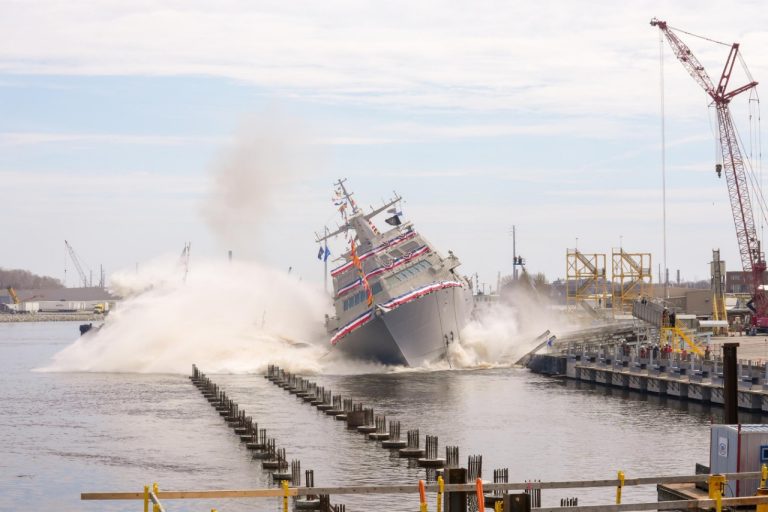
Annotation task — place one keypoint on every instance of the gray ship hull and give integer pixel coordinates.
(413, 334)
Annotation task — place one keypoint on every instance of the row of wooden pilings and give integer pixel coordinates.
(262, 447)
(375, 427)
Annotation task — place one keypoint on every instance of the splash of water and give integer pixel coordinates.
(503, 332)
(233, 318)
(240, 317)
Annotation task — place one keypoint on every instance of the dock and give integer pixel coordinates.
(696, 380)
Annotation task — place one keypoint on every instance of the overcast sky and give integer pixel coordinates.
(129, 128)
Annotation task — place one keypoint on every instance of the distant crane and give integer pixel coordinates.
(78, 266)
(752, 257)
(14, 297)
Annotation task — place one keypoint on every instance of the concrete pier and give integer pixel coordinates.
(700, 381)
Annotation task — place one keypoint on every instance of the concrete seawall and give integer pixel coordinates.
(701, 382)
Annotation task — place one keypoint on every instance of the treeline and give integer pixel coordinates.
(26, 280)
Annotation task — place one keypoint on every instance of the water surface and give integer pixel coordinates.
(66, 433)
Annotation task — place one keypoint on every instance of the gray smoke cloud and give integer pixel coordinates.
(268, 156)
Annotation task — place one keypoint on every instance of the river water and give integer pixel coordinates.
(66, 433)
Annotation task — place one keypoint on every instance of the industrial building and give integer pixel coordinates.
(57, 300)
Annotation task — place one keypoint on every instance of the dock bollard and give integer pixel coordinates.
(146, 498)
(618, 488)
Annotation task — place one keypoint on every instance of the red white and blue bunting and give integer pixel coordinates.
(395, 241)
(384, 268)
(395, 303)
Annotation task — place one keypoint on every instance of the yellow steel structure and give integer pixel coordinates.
(586, 281)
(631, 278)
(717, 267)
(12, 293)
(669, 334)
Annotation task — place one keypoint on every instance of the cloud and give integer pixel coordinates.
(556, 58)
(16, 139)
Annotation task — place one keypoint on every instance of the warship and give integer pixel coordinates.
(397, 300)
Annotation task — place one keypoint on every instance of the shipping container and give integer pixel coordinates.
(736, 449)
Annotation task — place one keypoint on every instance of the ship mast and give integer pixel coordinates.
(358, 221)
(347, 195)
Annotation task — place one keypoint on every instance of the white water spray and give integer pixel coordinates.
(226, 318)
(503, 332)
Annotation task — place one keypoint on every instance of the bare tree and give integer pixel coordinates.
(26, 280)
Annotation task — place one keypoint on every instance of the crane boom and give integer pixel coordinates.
(14, 297)
(752, 258)
(76, 261)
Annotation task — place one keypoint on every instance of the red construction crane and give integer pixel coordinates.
(752, 258)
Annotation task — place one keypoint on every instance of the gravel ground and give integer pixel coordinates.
(50, 317)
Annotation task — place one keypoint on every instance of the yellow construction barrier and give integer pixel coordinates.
(441, 490)
(716, 487)
(762, 490)
(618, 488)
(716, 492)
(285, 495)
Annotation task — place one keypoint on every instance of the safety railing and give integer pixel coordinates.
(153, 496)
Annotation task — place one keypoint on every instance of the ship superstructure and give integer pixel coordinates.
(397, 300)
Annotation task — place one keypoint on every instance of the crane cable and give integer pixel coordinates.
(696, 35)
(755, 189)
(754, 140)
(663, 162)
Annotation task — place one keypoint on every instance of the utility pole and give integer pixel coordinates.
(514, 255)
(325, 260)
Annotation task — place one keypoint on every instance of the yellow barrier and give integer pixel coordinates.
(716, 491)
(441, 490)
(762, 491)
(285, 495)
(716, 486)
(156, 490)
(618, 487)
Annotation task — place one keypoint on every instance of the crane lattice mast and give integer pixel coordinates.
(76, 261)
(752, 258)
